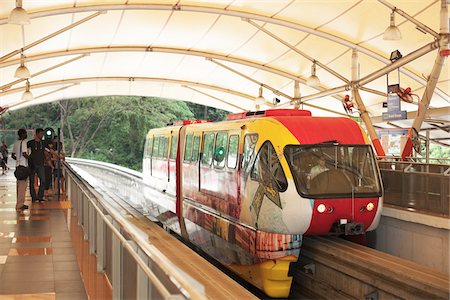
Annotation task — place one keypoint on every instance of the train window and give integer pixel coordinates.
(150, 146)
(188, 148)
(233, 148)
(220, 149)
(249, 149)
(195, 148)
(351, 168)
(268, 170)
(156, 147)
(162, 147)
(174, 146)
(208, 147)
(166, 147)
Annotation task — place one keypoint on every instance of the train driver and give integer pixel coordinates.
(319, 168)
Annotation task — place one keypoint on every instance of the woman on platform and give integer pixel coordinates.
(20, 154)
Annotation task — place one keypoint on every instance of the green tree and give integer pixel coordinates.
(110, 128)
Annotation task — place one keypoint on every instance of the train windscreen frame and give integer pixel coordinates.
(332, 170)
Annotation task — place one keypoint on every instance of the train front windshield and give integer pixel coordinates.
(334, 171)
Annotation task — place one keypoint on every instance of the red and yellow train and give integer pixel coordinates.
(247, 189)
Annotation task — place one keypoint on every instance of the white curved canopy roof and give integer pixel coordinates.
(217, 52)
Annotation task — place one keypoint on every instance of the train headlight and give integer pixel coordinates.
(321, 208)
(370, 206)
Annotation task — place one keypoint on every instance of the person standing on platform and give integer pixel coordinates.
(2, 164)
(48, 166)
(4, 152)
(20, 154)
(36, 148)
(56, 171)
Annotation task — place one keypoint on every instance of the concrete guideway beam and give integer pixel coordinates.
(227, 12)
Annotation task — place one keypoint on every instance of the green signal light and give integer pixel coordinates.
(49, 132)
(221, 152)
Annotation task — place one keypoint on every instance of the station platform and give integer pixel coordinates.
(37, 258)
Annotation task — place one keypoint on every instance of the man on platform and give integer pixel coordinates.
(36, 148)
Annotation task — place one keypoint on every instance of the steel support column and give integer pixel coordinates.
(362, 108)
(432, 81)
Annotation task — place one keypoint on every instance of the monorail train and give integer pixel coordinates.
(246, 189)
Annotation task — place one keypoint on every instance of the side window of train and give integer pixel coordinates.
(249, 149)
(156, 147)
(233, 148)
(195, 148)
(161, 147)
(174, 146)
(149, 146)
(220, 149)
(267, 168)
(188, 148)
(208, 147)
(166, 147)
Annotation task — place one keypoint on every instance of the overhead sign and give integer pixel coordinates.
(392, 116)
(394, 111)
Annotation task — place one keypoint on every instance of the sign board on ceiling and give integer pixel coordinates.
(394, 111)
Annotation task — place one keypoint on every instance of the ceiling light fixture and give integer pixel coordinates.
(392, 33)
(260, 99)
(22, 71)
(27, 95)
(313, 80)
(18, 15)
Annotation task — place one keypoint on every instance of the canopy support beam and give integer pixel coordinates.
(410, 18)
(46, 94)
(151, 79)
(432, 81)
(122, 78)
(9, 85)
(377, 74)
(293, 48)
(212, 97)
(362, 108)
(275, 91)
(226, 12)
(18, 51)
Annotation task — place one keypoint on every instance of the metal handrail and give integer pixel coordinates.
(154, 254)
(391, 158)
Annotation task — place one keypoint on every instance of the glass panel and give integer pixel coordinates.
(233, 147)
(267, 168)
(174, 146)
(220, 149)
(166, 147)
(188, 148)
(156, 147)
(249, 149)
(149, 146)
(208, 146)
(161, 147)
(333, 170)
(195, 148)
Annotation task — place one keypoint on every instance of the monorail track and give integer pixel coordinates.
(332, 268)
(337, 269)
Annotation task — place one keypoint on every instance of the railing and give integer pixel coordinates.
(121, 248)
(433, 160)
(423, 187)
